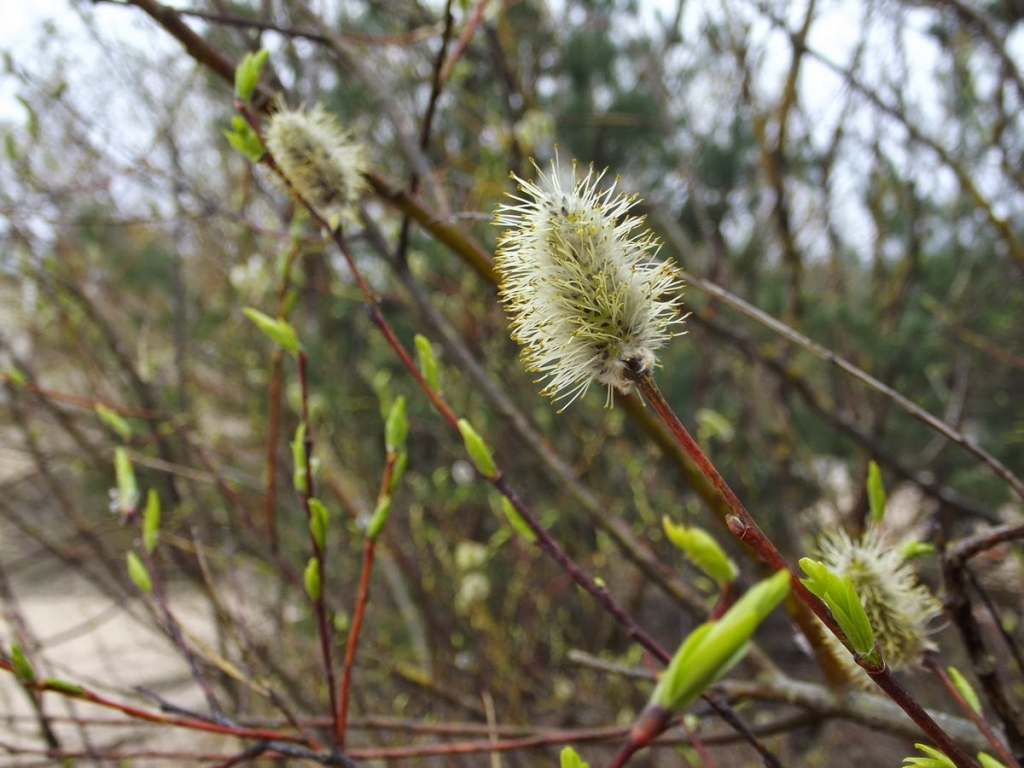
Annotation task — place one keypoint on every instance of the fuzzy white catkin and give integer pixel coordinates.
(320, 160)
(588, 299)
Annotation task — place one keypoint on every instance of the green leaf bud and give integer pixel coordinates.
(935, 758)
(570, 759)
(839, 594)
(16, 376)
(22, 667)
(62, 686)
(318, 519)
(396, 428)
(113, 420)
(247, 73)
(713, 648)
(278, 331)
(398, 470)
(138, 573)
(964, 688)
(427, 361)
(378, 518)
(478, 451)
(914, 548)
(311, 577)
(516, 520)
(151, 520)
(987, 761)
(299, 459)
(127, 487)
(244, 139)
(876, 492)
(703, 551)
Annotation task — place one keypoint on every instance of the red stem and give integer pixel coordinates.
(362, 600)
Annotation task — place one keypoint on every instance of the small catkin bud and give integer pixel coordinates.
(320, 160)
(588, 299)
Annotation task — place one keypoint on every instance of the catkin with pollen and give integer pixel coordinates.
(587, 297)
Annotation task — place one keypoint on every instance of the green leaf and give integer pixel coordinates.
(964, 688)
(876, 492)
(478, 450)
(702, 549)
(299, 459)
(572, 760)
(378, 518)
(127, 487)
(398, 470)
(311, 577)
(987, 761)
(396, 428)
(841, 598)
(138, 573)
(247, 73)
(22, 667)
(516, 520)
(935, 758)
(714, 647)
(244, 139)
(911, 549)
(16, 376)
(318, 519)
(427, 361)
(113, 420)
(61, 686)
(278, 331)
(151, 520)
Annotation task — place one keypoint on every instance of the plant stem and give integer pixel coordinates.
(319, 605)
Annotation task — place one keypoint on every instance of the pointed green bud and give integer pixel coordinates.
(299, 459)
(311, 577)
(113, 420)
(127, 487)
(478, 450)
(318, 519)
(138, 573)
(570, 759)
(398, 470)
(841, 598)
(702, 549)
(151, 520)
(378, 518)
(396, 428)
(987, 761)
(244, 139)
(428, 363)
(516, 520)
(876, 492)
(16, 376)
(911, 549)
(279, 331)
(62, 686)
(22, 667)
(713, 648)
(964, 688)
(935, 758)
(247, 74)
